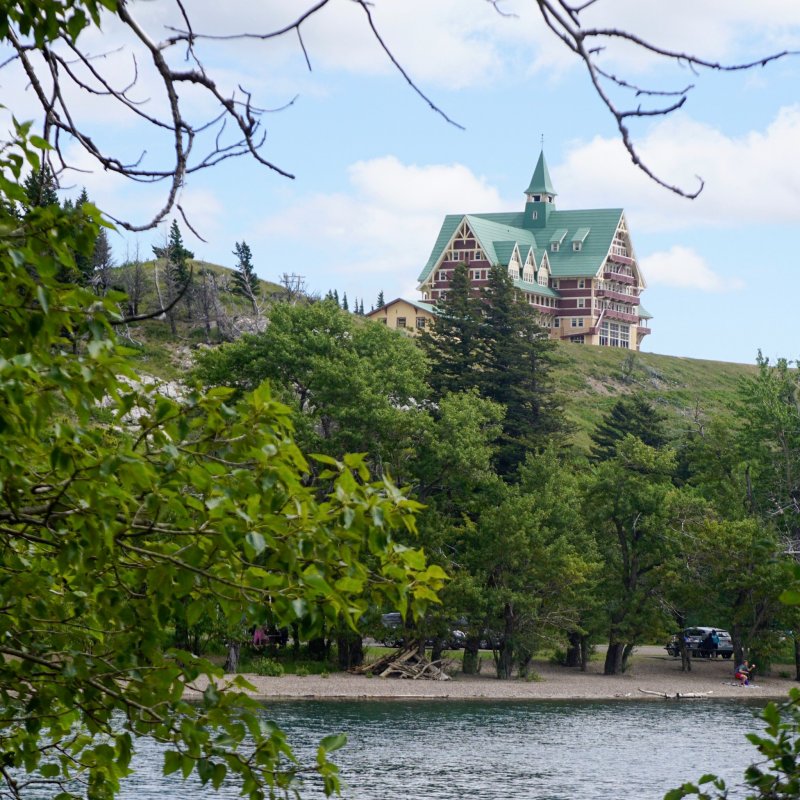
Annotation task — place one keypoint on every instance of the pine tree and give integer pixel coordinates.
(517, 371)
(82, 262)
(361, 307)
(634, 415)
(102, 262)
(453, 342)
(336, 296)
(245, 280)
(381, 303)
(177, 271)
(344, 302)
(40, 188)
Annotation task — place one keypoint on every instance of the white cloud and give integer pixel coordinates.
(683, 268)
(385, 226)
(753, 178)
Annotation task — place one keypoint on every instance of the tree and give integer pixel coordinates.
(631, 415)
(344, 302)
(355, 387)
(85, 266)
(112, 535)
(381, 302)
(245, 280)
(135, 282)
(41, 188)
(102, 262)
(177, 272)
(454, 344)
(516, 371)
(629, 505)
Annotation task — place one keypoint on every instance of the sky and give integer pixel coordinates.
(376, 169)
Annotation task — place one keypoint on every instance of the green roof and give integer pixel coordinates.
(558, 236)
(581, 234)
(540, 181)
(535, 288)
(504, 227)
(644, 313)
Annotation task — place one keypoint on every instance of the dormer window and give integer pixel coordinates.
(577, 246)
(554, 246)
(535, 215)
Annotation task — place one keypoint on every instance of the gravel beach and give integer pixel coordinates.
(652, 670)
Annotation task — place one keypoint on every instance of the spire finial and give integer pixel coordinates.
(542, 141)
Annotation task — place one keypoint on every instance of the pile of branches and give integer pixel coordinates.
(406, 663)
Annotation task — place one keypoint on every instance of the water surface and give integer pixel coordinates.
(544, 750)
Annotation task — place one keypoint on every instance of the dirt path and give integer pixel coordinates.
(652, 670)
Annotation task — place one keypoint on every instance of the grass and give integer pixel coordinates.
(591, 379)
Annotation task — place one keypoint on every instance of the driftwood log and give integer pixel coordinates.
(405, 663)
(677, 695)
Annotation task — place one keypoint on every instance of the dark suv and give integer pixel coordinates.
(694, 640)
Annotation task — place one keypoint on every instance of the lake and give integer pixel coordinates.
(544, 750)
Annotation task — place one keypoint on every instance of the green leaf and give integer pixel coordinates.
(172, 762)
(333, 742)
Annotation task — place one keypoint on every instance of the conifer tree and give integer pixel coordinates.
(381, 303)
(245, 280)
(344, 302)
(102, 262)
(177, 270)
(517, 367)
(83, 262)
(634, 415)
(361, 307)
(40, 188)
(454, 343)
(336, 296)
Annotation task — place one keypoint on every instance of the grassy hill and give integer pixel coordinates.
(591, 379)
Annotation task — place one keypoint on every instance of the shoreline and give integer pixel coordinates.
(651, 671)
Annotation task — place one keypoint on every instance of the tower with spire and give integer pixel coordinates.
(539, 196)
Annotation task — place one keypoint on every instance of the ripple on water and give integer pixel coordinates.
(448, 750)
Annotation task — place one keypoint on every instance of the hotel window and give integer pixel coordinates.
(577, 322)
(576, 246)
(581, 302)
(535, 215)
(478, 255)
(555, 322)
(421, 323)
(401, 322)
(554, 246)
(581, 284)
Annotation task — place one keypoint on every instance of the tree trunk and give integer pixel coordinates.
(626, 654)
(436, 650)
(573, 657)
(584, 653)
(295, 640)
(317, 648)
(614, 654)
(797, 658)
(471, 664)
(232, 662)
(505, 657)
(350, 650)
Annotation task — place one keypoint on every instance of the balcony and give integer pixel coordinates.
(613, 294)
(621, 259)
(642, 331)
(612, 313)
(610, 275)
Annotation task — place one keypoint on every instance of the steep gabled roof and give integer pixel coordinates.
(504, 227)
(540, 180)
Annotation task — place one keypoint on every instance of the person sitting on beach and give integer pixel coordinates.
(742, 673)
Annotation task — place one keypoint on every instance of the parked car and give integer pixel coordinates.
(694, 640)
(393, 633)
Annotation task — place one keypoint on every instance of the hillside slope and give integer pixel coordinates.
(591, 379)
